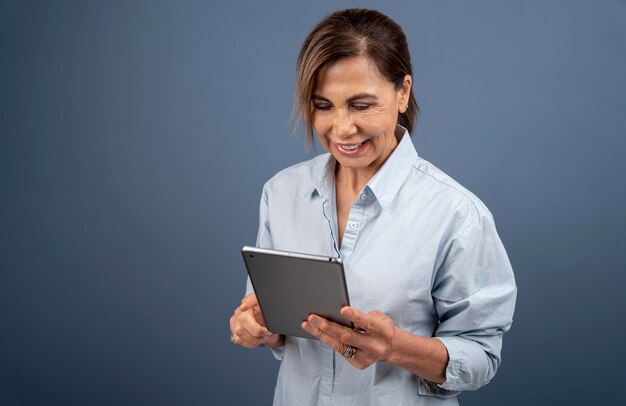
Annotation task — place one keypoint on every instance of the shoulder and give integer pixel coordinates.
(448, 194)
(298, 178)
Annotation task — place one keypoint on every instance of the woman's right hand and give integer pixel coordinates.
(247, 326)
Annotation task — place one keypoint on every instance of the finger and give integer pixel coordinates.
(250, 328)
(258, 316)
(243, 342)
(251, 302)
(238, 322)
(330, 341)
(241, 336)
(232, 324)
(336, 333)
(360, 359)
(234, 337)
(362, 321)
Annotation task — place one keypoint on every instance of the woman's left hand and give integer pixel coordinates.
(373, 341)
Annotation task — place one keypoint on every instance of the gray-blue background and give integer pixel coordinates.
(135, 137)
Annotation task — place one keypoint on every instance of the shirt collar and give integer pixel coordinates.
(324, 176)
(385, 184)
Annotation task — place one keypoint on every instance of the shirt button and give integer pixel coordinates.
(363, 196)
(354, 226)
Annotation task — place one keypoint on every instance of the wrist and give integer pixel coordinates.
(275, 341)
(392, 353)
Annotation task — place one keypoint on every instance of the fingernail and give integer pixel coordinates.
(315, 321)
(347, 313)
(305, 326)
(267, 334)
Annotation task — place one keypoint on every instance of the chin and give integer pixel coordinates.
(352, 163)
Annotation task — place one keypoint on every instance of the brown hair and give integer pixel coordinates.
(348, 33)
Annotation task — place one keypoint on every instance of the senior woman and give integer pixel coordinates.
(431, 287)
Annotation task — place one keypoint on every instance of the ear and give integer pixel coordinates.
(404, 93)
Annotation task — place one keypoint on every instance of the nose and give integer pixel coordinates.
(343, 124)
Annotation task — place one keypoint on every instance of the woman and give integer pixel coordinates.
(431, 287)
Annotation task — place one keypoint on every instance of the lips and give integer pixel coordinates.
(352, 149)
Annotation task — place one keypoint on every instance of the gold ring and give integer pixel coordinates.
(350, 352)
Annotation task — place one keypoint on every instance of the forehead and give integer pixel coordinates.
(349, 75)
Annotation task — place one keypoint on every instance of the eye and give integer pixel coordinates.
(361, 106)
(322, 107)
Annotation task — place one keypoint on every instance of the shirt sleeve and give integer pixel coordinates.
(474, 293)
(264, 240)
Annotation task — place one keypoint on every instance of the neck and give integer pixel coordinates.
(351, 179)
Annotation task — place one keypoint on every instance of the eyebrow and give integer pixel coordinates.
(350, 99)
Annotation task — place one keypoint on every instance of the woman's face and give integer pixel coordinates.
(355, 111)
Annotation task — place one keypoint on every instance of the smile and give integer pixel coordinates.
(351, 147)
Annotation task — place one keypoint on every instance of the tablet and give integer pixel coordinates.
(290, 286)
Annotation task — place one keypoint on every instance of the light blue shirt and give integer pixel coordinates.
(418, 247)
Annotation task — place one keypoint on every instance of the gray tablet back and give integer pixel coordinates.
(290, 286)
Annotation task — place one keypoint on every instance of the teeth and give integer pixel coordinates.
(350, 147)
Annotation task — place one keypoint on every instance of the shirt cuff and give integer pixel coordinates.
(427, 388)
(277, 352)
(459, 372)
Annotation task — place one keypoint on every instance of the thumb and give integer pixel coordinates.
(248, 302)
(258, 316)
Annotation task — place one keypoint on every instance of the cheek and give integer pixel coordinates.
(321, 138)
(378, 118)
(316, 123)
(321, 133)
(320, 121)
(322, 129)
(377, 127)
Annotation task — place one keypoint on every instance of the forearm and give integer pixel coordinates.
(424, 356)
